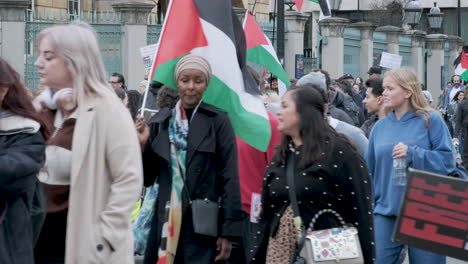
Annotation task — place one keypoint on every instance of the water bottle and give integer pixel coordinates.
(457, 152)
(399, 176)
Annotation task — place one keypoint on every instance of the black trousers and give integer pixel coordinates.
(243, 249)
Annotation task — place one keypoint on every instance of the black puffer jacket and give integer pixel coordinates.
(369, 124)
(346, 103)
(461, 118)
(21, 155)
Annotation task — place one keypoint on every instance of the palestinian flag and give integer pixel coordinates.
(211, 29)
(261, 51)
(461, 64)
(324, 6)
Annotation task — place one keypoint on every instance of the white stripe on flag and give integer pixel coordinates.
(281, 85)
(459, 70)
(221, 53)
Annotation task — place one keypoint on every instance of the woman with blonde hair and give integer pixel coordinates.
(99, 177)
(415, 135)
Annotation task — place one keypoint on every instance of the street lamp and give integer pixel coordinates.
(413, 11)
(290, 4)
(435, 18)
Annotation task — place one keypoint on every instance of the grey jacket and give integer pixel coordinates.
(369, 124)
(354, 134)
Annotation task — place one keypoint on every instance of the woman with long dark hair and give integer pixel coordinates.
(22, 135)
(328, 174)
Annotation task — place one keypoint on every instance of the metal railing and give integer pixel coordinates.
(106, 24)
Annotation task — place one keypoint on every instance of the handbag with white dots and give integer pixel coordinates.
(334, 245)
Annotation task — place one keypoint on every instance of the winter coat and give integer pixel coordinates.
(106, 181)
(369, 124)
(338, 180)
(461, 120)
(339, 114)
(346, 103)
(211, 172)
(21, 155)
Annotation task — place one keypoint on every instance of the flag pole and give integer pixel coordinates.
(280, 31)
(253, 8)
(274, 27)
(145, 96)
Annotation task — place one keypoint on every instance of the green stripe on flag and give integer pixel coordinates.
(250, 127)
(464, 75)
(316, 1)
(161, 74)
(261, 56)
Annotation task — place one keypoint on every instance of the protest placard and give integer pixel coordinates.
(390, 61)
(147, 54)
(434, 214)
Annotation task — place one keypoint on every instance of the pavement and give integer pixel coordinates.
(449, 261)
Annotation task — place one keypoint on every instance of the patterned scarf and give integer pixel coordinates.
(178, 132)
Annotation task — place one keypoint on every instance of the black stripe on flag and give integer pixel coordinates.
(458, 59)
(324, 7)
(219, 13)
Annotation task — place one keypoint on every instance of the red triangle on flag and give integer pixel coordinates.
(264, 73)
(254, 35)
(464, 60)
(298, 4)
(182, 31)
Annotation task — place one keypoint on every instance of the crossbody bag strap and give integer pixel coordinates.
(290, 167)
(4, 211)
(301, 234)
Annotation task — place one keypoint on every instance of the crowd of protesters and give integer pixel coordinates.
(79, 157)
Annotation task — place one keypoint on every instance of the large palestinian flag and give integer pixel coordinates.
(260, 51)
(211, 29)
(461, 64)
(324, 6)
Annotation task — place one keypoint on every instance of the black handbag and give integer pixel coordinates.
(204, 215)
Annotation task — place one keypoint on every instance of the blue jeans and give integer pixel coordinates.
(388, 251)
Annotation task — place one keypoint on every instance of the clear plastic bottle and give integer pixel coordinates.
(458, 158)
(399, 176)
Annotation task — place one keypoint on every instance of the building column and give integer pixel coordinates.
(333, 45)
(12, 32)
(417, 55)
(294, 39)
(134, 17)
(314, 28)
(393, 38)
(435, 44)
(455, 45)
(367, 45)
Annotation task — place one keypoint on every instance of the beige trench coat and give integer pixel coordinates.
(106, 181)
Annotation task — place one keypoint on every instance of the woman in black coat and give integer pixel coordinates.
(197, 141)
(21, 155)
(328, 174)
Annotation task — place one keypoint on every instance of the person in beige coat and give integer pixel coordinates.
(105, 164)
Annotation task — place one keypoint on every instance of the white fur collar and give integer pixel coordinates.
(15, 124)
